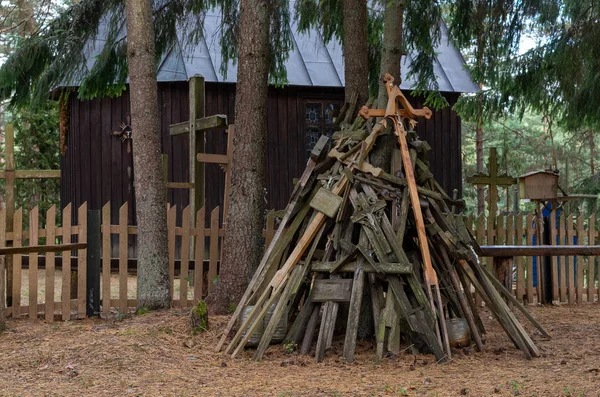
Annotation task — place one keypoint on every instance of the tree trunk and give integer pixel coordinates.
(479, 155)
(2, 292)
(479, 126)
(25, 18)
(356, 62)
(392, 46)
(592, 154)
(391, 54)
(243, 247)
(153, 261)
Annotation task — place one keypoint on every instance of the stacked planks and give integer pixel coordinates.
(357, 226)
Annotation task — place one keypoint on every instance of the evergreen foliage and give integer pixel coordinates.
(530, 143)
(560, 76)
(36, 147)
(54, 55)
(421, 33)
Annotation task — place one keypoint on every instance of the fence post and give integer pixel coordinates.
(93, 263)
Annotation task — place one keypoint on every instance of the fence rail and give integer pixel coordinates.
(194, 253)
(65, 285)
(574, 277)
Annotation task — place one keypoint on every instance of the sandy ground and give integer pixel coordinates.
(155, 355)
(114, 286)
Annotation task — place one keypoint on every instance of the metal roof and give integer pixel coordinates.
(311, 62)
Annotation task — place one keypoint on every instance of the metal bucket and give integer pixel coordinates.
(281, 329)
(255, 337)
(459, 334)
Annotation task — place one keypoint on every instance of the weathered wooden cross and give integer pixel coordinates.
(492, 180)
(195, 127)
(10, 174)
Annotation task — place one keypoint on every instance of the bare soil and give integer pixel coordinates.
(156, 355)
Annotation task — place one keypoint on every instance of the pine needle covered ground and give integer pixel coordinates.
(155, 355)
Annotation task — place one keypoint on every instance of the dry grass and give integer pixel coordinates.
(114, 286)
(155, 355)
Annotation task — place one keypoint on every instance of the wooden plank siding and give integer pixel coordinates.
(95, 168)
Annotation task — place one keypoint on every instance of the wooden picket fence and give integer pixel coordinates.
(189, 282)
(27, 283)
(194, 255)
(575, 278)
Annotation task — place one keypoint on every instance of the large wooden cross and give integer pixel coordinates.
(10, 174)
(492, 180)
(195, 127)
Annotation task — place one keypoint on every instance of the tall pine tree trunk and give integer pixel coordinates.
(153, 261)
(592, 153)
(356, 62)
(243, 247)
(391, 55)
(479, 154)
(392, 46)
(479, 126)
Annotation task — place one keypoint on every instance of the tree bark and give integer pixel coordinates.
(391, 55)
(479, 126)
(356, 62)
(243, 247)
(153, 262)
(592, 154)
(479, 154)
(392, 46)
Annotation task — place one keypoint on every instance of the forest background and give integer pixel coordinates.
(526, 139)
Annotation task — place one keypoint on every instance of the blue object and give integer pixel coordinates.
(547, 210)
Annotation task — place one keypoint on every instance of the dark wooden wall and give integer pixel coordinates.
(97, 167)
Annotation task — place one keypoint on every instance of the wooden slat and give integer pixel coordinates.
(553, 260)
(3, 308)
(49, 286)
(500, 230)
(563, 259)
(180, 185)
(354, 314)
(480, 237)
(270, 230)
(41, 248)
(230, 135)
(123, 239)
(33, 263)
(201, 124)
(106, 259)
(490, 234)
(500, 240)
(82, 262)
(529, 240)
(510, 240)
(171, 218)
(519, 262)
(539, 230)
(591, 276)
(199, 258)
(65, 296)
(17, 242)
(570, 261)
(335, 290)
(580, 260)
(212, 158)
(37, 174)
(469, 223)
(534, 250)
(214, 249)
(185, 256)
